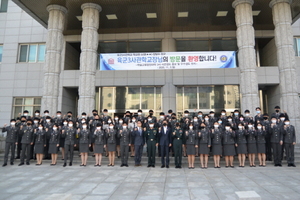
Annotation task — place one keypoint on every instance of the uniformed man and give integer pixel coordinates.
(21, 123)
(125, 143)
(27, 140)
(58, 119)
(289, 140)
(276, 141)
(151, 135)
(259, 116)
(140, 116)
(70, 142)
(152, 116)
(277, 113)
(177, 145)
(11, 141)
(43, 118)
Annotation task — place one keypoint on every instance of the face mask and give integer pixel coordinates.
(58, 115)
(199, 115)
(220, 122)
(173, 117)
(165, 124)
(273, 121)
(46, 114)
(70, 125)
(105, 113)
(109, 121)
(259, 127)
(277, 111)
(65, 123)
(227, 128)
(216, 126)
(150, 114)
(202, 127)
(36, 122)
(133, 120)
(161, 117)
(250, 126)
(84, 126)
(83, 121)
(206, 119)
(25, 114)
(230, 120)
(111, 127)
(54, 128)
(47, 120)
(116, 119)
(191, 127)
(151, 125)
(98, 128)
(37, 114)
(121, 122)
(28, 124)
(265, 118)
(12, 123)
(139, 113)
(195, 120)
(23, 121)
(223, 114)
(240, 127)
(236, 114)
(124, 127)
(287, 123)
(258, 111)
(186, 115)
(83, 116)
(94, 114)
(96, 119)
(40, 128)
(282, 119)
(247, 114)
(69, 116)
(212, 115)
(241, 119)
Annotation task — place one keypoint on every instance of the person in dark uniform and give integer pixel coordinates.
(54, 141)
(276, 139)
(94, 121)
(165, 141)
(267, 124)
(39, 143)
(62, 139)
(27, 140)
(35, 125)
(277, 113)
(118, 127)
(84, 143)
(139, 142)
(125, 142)
(191, 145)
(261, 144)
(252, 147)
(48, 125)
(70, 142)
(259, 116)
(152, 137)
(111, 137)
(289, 140)
(177, 145)
(100, 143)
(131, 127)
(216, 136)
(241, 144)
(20, 133)
(228, 140)
(204, 143)
(185, 121)
(11, 141)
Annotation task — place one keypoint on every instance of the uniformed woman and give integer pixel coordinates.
(251, 139)
(62, 140)
(177, 145)
(54, 141)
(216, 135)
(111, 144)
(261, 144)
(196, 126)
(241, 144)
(40, 143)
(84, 143)
(204, 144)
(132, 126)
(191, 145)
(99, 136)
(228, 145)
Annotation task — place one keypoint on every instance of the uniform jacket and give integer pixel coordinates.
(70, 136)
(84, 136)
(125, 136)
(289, 135)
(99, 136)
(204, 137)
(191, 137)
(12, 133)
(27, 135)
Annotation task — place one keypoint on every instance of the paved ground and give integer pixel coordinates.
(75, 182)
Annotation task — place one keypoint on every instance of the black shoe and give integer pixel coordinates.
(279, 165)
(122, 165)
(167, 166)
(289, 165)
(21, 164)
(93, 155)
(80, 165)
(232, 166)
(27, 163)
(163, 166)
(153, 166)
(4, 165)
(11, 163)
(118, 156)
(18, 157)
(126, 165)
(70, 164)
(149, 166)
(293, 165)
(65, 164)
(179, 167)
(176, 166)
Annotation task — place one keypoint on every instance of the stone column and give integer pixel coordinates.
(54, 45)
(289, 100)
(168, 90)
(88, 56)
(246, 55)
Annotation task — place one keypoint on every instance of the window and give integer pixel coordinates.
(297, 46)
(26, 103)
(1, 51)
(207, 45)
(32, 53)
(3, 5)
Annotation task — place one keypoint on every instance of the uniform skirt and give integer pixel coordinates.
(203, 148)
(98, 148)
(190, 149)
(261, 148)
(111, 147)
(252, 148)
(83, 148)
(241, 149)
(62, 142)
(39, 148)
(217, 149)
(53, 149)
(229, 150)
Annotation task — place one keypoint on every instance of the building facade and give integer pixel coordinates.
(50, 53)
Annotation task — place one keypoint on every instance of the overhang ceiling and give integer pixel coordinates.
(131, 15)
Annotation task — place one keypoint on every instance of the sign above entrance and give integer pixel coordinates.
(168, 60)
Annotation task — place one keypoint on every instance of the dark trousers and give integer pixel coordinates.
(268, 150)
(289, 151)
(32, 154)
(277, 150)
(138, 154)
(46, 149)
(124, 153)
(69, 147)
(19, 148)
(25, 148)
(164, 154)
(178, 153)
(9, 146)
(151, 148)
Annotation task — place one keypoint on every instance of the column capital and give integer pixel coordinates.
(91, 5)
(273, 2)
(237, 2)
(57, 7)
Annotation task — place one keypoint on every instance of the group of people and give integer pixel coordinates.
(191, 136)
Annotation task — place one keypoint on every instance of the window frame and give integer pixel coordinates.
(28, 50)
(1, 46)
(23, 105)
(297, 46)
